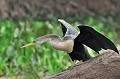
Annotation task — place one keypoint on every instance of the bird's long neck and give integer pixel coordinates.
(45, 38)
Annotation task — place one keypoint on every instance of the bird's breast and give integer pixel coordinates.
(64, 45)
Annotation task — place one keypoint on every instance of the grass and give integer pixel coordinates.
(39, 60)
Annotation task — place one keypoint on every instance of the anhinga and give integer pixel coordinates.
(72, 41)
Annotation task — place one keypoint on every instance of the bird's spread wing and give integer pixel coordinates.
(68, 29)
(79, 52)
(94, 39)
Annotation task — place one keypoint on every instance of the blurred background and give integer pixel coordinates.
(21, 21)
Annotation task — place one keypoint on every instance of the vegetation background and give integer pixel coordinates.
(21, 21)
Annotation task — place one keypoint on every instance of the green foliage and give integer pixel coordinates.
(38, 60)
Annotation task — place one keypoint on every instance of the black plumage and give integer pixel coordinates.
(94, 39)
(91, 38)
(79, 52)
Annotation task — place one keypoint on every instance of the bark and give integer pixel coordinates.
(104, 66)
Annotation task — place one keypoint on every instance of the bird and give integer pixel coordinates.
(73, 41)
(89, 37)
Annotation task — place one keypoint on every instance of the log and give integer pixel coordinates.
(104, 66)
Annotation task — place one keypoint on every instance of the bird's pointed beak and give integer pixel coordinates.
(30, 44)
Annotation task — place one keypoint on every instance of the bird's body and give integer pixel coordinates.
(73, 41)
(63, 45)
(79, 53)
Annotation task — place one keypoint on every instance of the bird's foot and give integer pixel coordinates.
(75, 62)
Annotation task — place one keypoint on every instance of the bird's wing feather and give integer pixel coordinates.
(68, 29)
(64, 29)
(79, 52)
(94, 39)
